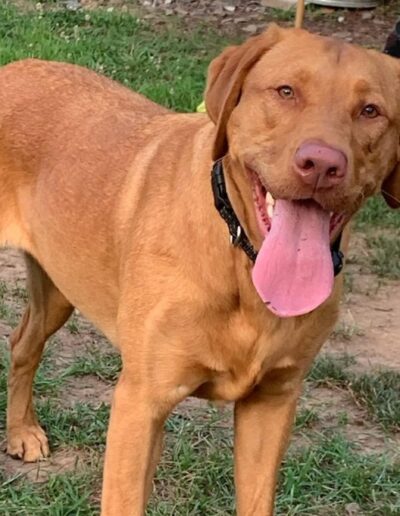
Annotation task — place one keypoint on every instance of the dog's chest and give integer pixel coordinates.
(242, 353)
(224, 354)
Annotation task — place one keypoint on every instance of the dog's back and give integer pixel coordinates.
(67, 133)
(52, 113)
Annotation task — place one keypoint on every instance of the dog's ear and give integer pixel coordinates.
(226, 75)
(391, 188)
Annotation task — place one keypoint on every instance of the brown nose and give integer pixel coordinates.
(320, 165)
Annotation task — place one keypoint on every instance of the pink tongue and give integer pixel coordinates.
(293, 273)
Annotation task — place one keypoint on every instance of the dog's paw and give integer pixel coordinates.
(28, 443)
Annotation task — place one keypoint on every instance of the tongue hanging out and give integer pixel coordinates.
(293, 273)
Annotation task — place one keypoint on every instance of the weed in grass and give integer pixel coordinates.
(19, 293)
(82, 425)
(385, 255)
(5, 310)
(377, 214)
(380, 394)
(4, 365)
(72, 325)
(329, 370)
(346, 329)
(282, 14)
(342, 418)
(62, 495)
(105, 366)
(384, 248)
(15, 291)
(348, 282)
(3, 289)
(306, 418)
(324, 478)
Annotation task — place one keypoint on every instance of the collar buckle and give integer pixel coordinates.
(235, 241)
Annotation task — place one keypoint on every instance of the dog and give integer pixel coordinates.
(110, 198)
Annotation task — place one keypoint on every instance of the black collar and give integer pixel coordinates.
(237, 233)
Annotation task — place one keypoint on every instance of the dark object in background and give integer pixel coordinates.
(392, 46)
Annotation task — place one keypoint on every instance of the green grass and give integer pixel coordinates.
(169, 68)
(195, 477)
(4, 309)
(62, 495)
(329, 370)
(377, 214)
(305, 419)
(385, 253)
(321, 479)
(378, 392)
(195, 474)
(324, 478)
(82, 425)
(7, 310)
(105, 366)
(381, 227)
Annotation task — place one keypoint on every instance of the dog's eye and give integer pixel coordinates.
(370, 111)
(286, 92)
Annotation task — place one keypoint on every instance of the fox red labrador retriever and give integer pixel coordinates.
(109, 196)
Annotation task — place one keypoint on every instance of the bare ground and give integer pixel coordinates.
(240, 17)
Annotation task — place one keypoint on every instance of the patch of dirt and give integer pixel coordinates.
(336, 409)
(86, 389)
(61, 461)
(370, 321)
(12, 266)
(242, 17)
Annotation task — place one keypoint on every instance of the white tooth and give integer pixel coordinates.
(270, 210)
(270, 199)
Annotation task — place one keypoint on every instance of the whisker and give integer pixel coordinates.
(391, 196)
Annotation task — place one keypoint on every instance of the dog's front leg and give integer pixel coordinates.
(262, 426)
(134, 442)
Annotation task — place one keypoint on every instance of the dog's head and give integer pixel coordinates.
(314, 125)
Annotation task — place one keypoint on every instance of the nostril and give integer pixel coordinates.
(332, 171)
(308, 164)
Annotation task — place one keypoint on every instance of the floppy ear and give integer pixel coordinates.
(391, 188)
(226, 75)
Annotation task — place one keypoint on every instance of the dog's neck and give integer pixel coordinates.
(241, 197)
(230, 268)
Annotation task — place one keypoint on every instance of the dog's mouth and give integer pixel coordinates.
(293, 272)
(264, 204)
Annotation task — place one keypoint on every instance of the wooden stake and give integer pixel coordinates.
(298, 23)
